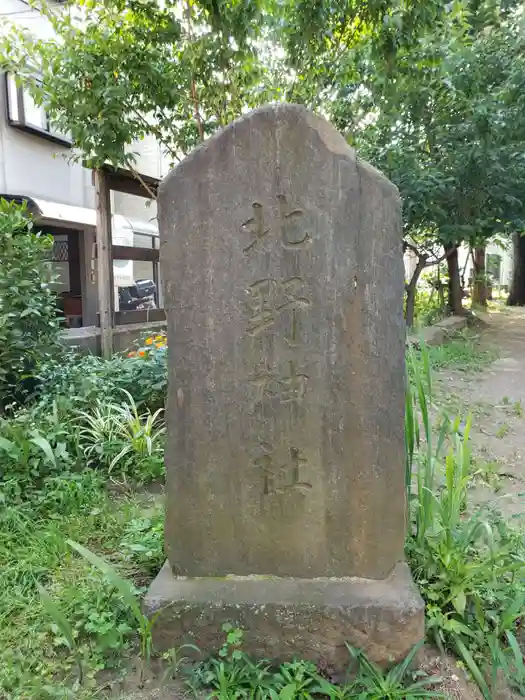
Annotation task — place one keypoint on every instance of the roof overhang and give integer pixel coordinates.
(66, 215)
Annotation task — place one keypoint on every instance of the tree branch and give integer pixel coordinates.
(138, 177)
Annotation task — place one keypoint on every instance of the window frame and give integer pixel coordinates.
(20, 122)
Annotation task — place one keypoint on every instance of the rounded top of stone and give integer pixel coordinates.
(272, 116)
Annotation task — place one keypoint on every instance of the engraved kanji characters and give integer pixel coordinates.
(255, 226)
(268, 298)
(287, 219)
(290, 386)
(281, 477)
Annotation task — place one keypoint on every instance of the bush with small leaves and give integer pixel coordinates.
(29, 321)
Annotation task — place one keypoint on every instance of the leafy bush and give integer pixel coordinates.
(35, 447)
(428, 307)
(29, 323)
(53, 601)
(84, 379)
(45, 449)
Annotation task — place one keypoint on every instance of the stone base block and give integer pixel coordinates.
(286, 618)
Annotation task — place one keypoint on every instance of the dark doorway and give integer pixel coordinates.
(65, 263)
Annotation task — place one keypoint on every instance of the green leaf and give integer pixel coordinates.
(473, 668)
(61, 622)
(289, 692)
(8, 446)
(459, 602)
(46, 448)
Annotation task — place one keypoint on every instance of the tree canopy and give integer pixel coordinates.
(429, 92)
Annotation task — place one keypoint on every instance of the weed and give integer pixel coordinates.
(487, 472)
(129, 596)
(470, 570)
(34, 651)
(511, 661)
(232, 674)
(399, 683)
(503, 431)
(62, 625)
(175, 661)
(143, 543)
(463, 352)
(512, 408)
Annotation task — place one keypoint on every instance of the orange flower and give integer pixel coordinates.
(159, 345)
(149, 341)
(131, 354)
(142, 353)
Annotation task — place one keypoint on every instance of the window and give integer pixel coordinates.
(24, 114)
(60, 263)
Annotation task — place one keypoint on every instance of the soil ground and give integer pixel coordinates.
(496, 397)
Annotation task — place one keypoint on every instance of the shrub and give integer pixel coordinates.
(29, 323)
(85, 379)
(37, 445)
(428, 307)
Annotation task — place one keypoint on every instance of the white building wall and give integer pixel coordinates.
(492, 248)
(35, 167)
(32, 166)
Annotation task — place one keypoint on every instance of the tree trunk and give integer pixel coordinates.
(455, 305)
(517, 287)
(479, 290)
(411, 289)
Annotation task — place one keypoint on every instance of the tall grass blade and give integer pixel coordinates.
(123, 587)
(473, 668)
(397, 674)
(63, 625)
(517, 654)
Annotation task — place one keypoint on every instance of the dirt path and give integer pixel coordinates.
(496, 397)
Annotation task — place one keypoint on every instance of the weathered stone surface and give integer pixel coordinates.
(453, 323)
(440, 332)
(282, 265)
(291, 618)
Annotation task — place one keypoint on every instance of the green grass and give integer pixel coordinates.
(75, 559)
(464, 353)
(35, 659)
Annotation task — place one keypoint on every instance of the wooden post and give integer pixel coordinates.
(104, 262)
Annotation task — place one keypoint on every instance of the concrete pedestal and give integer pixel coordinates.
(286, 618)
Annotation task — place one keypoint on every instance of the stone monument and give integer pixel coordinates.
(281, 260)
